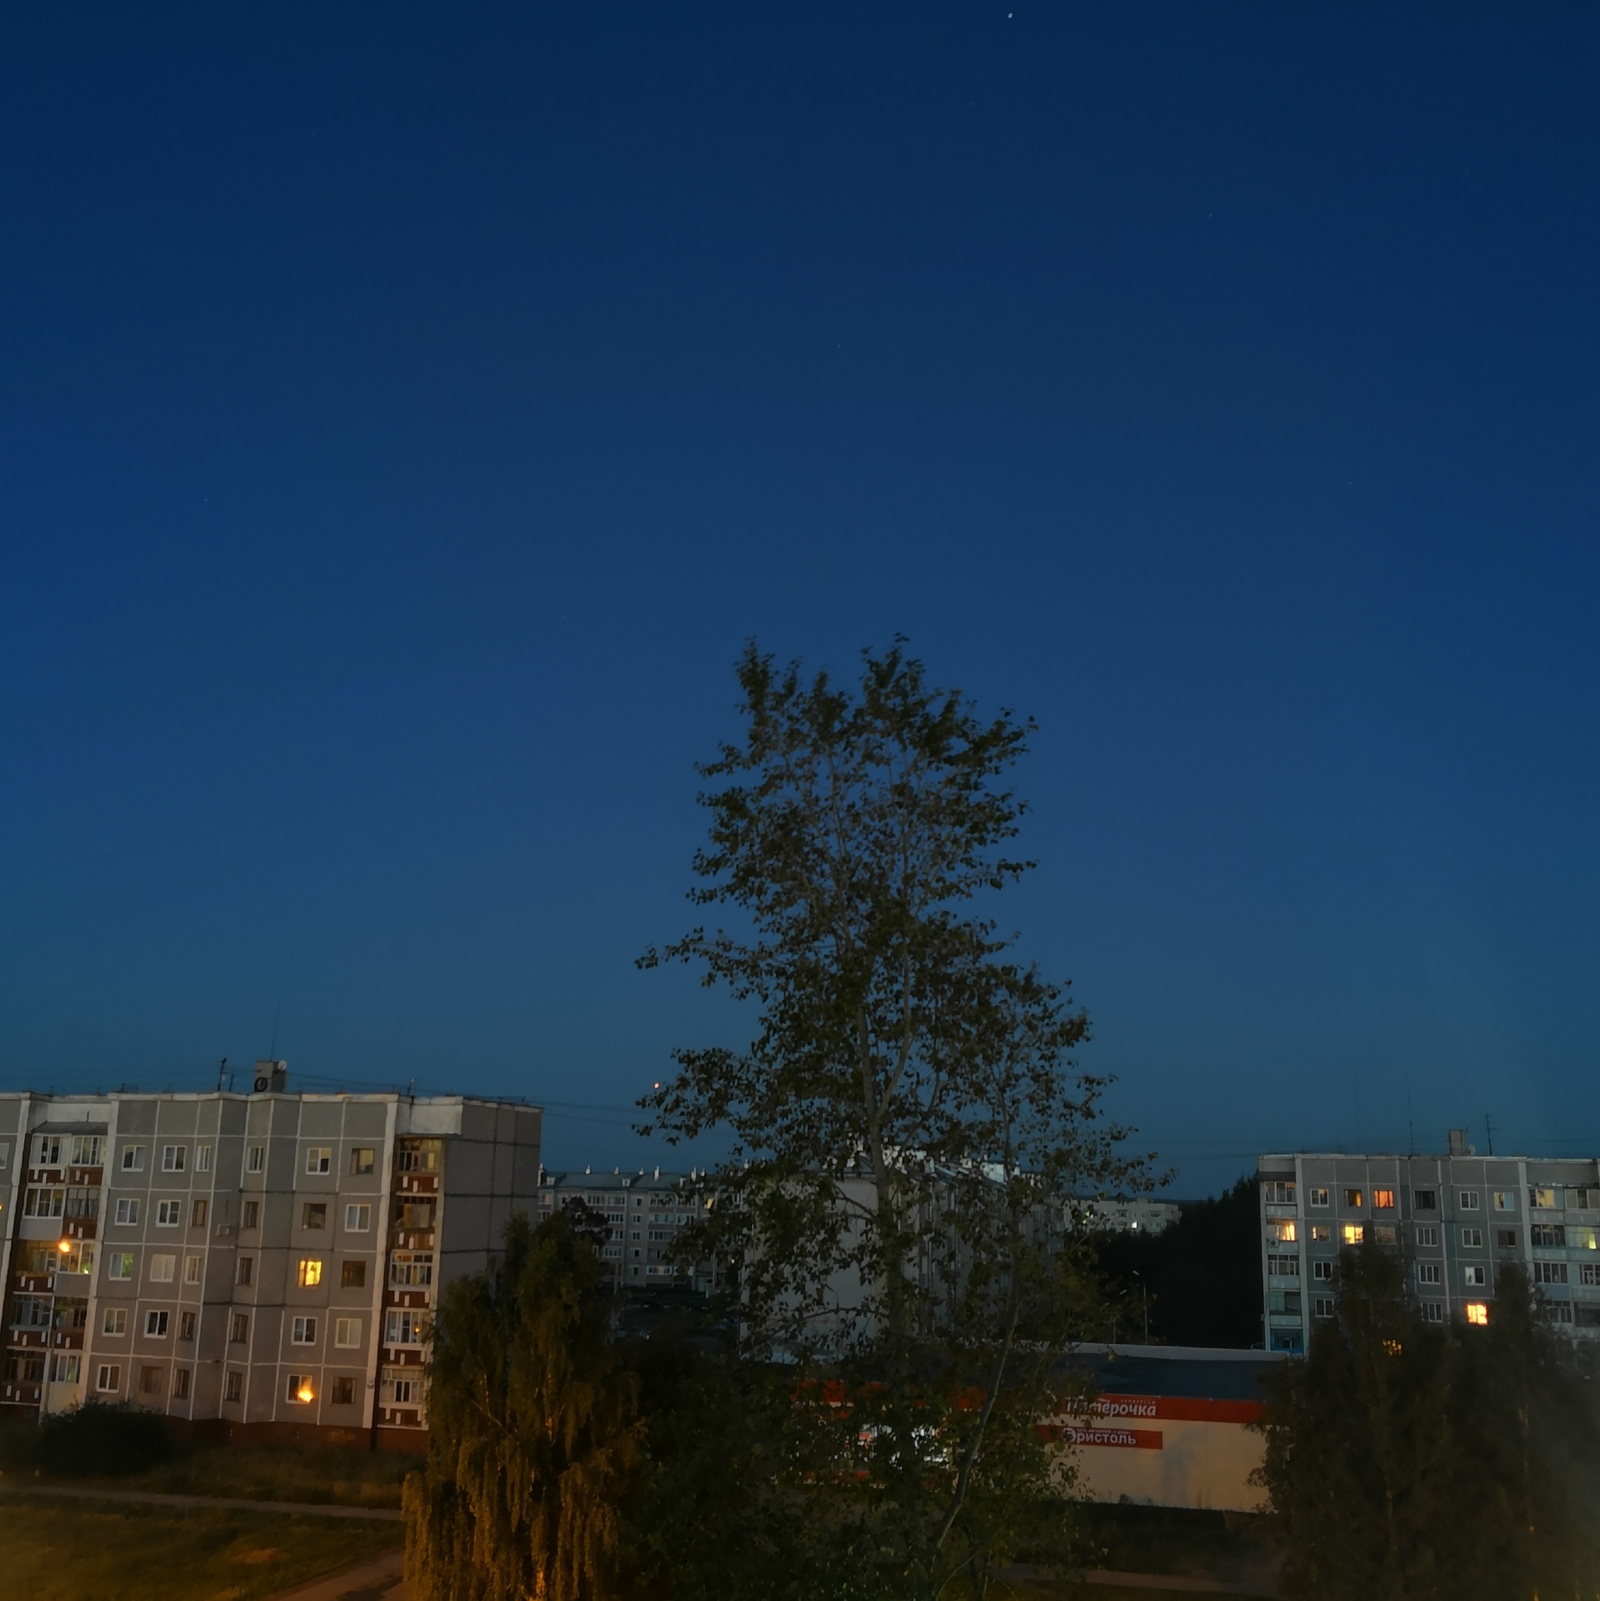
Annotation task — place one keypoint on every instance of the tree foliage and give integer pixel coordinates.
(913, 1141)
(535, 1452)
(1409, 1460)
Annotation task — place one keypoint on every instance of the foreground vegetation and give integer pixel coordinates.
(60, 1550)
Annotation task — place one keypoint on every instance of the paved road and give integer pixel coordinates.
(309, 1509)
(379, 1580)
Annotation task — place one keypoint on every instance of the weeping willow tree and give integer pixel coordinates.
(536, 1445)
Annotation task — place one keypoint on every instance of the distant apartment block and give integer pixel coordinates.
(643, 1213)
(260, 1263)
(1138, 1216)
(1458, 1219)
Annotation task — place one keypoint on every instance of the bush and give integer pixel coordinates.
(95, 1440)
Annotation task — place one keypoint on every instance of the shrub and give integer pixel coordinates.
(95, 1440)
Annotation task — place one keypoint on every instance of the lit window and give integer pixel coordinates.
(1545, 1196)
(109, 1377)
(168, 1214)
(155, 1325)
(310, 1274)
(174, 1158)
(1382, 1200)
(347, 1332)
(1581, 1238)
(362, 1159)
(115, 1320)
(163, 1265)
(303, 1331)
(1281, 1230)
(319, 1159)
(1353, 1198)
(357, 1219)
(1505, 1201)
(299, 1389)
(1477, 1312)
(1352, 1233)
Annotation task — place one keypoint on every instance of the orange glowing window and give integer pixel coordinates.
(1478, 1312)
(310, 1274)
(1383, 1200)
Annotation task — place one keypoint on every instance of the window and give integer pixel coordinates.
(344, 1392)
(202, 1159)
(1280, 1230)
(87, 1150)
(83, 1203)
(246, 1269)
(186, 1325)
(1477, 1313)
(155, 1325)
(191, 1268)
(299, 1389)
(1541, 1195)
(1582, 1239)
(119, 1265)
(1287, 1267)
(1353, 1198)
(1506, 1239)
(252, 1211)
(1352, 1233)
(303, 1331)
(1284, 1301)
(1588, 1273)
(417, 1156)
(44, 1202)
(1384, 1233)
(410, 1268)
(1433, 1311)
(314, 1215)
(1545, 1235)
(1549, 1272)
(310, 1273)
(1472, 1239)
(31, 1311)
(47, 1150)
(1429, 1273)
(1321, 1233)
(1427, 1234)
(1425, 1200)
(174, 1158)
(353, 1276)
(347, 1332)
(1322, 1306)
(1584, 1200)
(1317, 1197)
(255, 1159)
(404, 1326)
(239, 1330)
(115, 1321)
(402, 1391)
(128, 1209)
(1559, 1311)
(133, 1159)
(65, 1366)
(109, 1377)
(233, 1390)
(5, 1155)
(152, 1381)
(1471, 1201)
(1475, 1278)
(319, 1159)
(361, 1159)
(162, 1266)
(197, 1213)
(414, 1215)
(357, 1219)
(1505, 1201)
(180, 1384)
(1276, 1193)
(168, 1214)
(1383, 1200)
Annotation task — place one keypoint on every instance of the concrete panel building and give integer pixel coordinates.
(1459, 1219)
(643, 1213)
(260, 1263)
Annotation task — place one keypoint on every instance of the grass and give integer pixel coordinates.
(1217, 1545)
(65, 1550)
(317, 1475)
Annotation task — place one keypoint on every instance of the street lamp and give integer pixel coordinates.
(1144, 1299)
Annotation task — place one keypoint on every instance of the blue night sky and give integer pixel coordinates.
(407, 412)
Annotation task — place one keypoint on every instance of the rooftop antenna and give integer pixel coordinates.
(1488, 1134)
(222, 1067)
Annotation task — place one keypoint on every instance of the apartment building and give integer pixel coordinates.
(257, 1264)
(643, 1213)
(1459, 1219)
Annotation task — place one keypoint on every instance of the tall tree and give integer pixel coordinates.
(535, 1450)
(913, 1141)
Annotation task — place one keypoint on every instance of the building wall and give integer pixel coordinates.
(241, 1261)
(1459, 1220)
(643, 1211)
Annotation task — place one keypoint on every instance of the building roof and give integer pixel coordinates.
(1194, 1372)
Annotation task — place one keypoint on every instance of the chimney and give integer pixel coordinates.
(1458, 1142)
